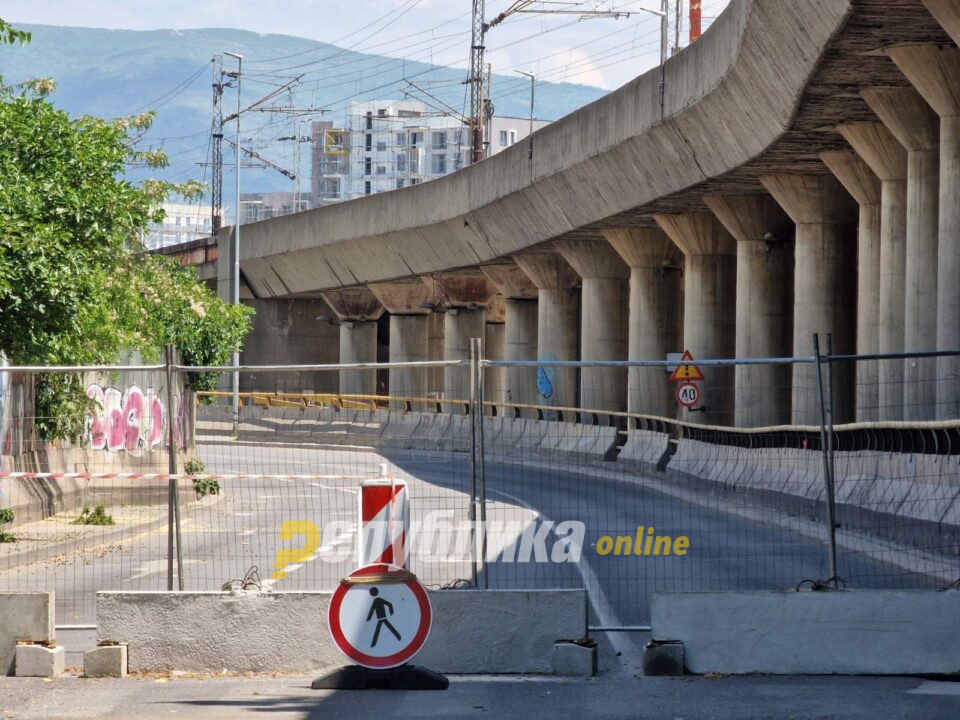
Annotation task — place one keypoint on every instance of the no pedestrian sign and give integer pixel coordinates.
(380, 616)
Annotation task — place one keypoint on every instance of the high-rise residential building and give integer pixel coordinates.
(183, 223)
(391, 144)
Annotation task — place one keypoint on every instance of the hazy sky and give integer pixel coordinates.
(601, 52)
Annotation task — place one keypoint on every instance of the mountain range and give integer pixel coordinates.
(111, 73)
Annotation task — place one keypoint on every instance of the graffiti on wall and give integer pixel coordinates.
(132, 421)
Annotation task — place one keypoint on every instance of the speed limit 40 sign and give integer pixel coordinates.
(688, 394)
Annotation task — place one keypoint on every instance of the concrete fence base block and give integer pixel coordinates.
(39, 661)
(575, 658)
(23, 617)
(663, 658)
(287, 631)
(106, 661)
(850, 632)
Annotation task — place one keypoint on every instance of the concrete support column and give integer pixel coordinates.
(558, 310)
(464, 294)
(358, 310)
(917, 128)
(409, 303)
(935, 72)
(603, 321)
(493, 349)
(435, 323)
(888, 160)
(824, 296)
(709, 305)
(520, 331)
(655, 303)
(764, 304)
(859, 180)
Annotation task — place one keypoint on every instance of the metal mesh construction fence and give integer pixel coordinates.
(623, 493)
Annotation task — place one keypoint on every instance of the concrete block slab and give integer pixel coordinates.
(39, 661)
(877, 632)
(259, 632)
(23, 617)
(575, 658)
(106, 661)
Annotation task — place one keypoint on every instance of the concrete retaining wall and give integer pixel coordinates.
(23, 616)
(473, 631)
(883, 632)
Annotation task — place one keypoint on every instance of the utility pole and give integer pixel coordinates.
(678, 15)
(216, 197)
(664, 29)
(478, 37)
(235, 253)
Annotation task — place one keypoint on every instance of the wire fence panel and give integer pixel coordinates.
(629, 486)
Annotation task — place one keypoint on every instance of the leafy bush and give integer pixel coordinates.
(97, 516)
(6, 517)
(194, 466)
(205, 486)
(76, 285)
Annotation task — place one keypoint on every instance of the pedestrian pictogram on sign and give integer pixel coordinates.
(686, 371)
(688, 394)
(380, 616)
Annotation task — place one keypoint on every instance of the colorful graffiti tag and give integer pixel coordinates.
(132, 421)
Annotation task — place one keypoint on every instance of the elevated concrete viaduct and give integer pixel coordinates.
(794, 171)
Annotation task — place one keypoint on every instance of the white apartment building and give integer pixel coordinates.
(183, 223)
(387, 145)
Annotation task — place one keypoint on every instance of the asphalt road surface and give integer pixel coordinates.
(225, 537)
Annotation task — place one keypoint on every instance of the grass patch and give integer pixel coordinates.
(97, 516)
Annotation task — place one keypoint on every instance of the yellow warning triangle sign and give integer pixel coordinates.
(686, 371)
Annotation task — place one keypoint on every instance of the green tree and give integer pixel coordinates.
(76, 286)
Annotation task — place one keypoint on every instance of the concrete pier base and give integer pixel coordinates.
(558, 323)
(656, 313)
(917, 128)
(709, 306)
(932, 70)
(888, 160)
(825, 217)
(858, 179)
(764, 304)
(358, 310)
(603, 321)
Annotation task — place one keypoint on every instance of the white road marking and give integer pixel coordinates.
(606, 615)
(936, 687)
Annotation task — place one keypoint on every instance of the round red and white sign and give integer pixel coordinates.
(688, 394)
(382, 619)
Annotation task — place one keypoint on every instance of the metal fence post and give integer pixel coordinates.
(173, 493)
(472, 514)
(481, 466)
(826, 448)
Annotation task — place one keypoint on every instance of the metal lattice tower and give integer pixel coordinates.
(216, 197)
(477, 37)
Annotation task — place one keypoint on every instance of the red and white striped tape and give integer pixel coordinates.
(384, 521)
(167, 476)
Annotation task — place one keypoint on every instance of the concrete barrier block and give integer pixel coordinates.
(23, 617)
(881, 632)
(260, 632)
(106, 661)
(39, 661)
(577, 659)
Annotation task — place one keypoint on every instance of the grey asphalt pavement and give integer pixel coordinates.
(611, 695)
